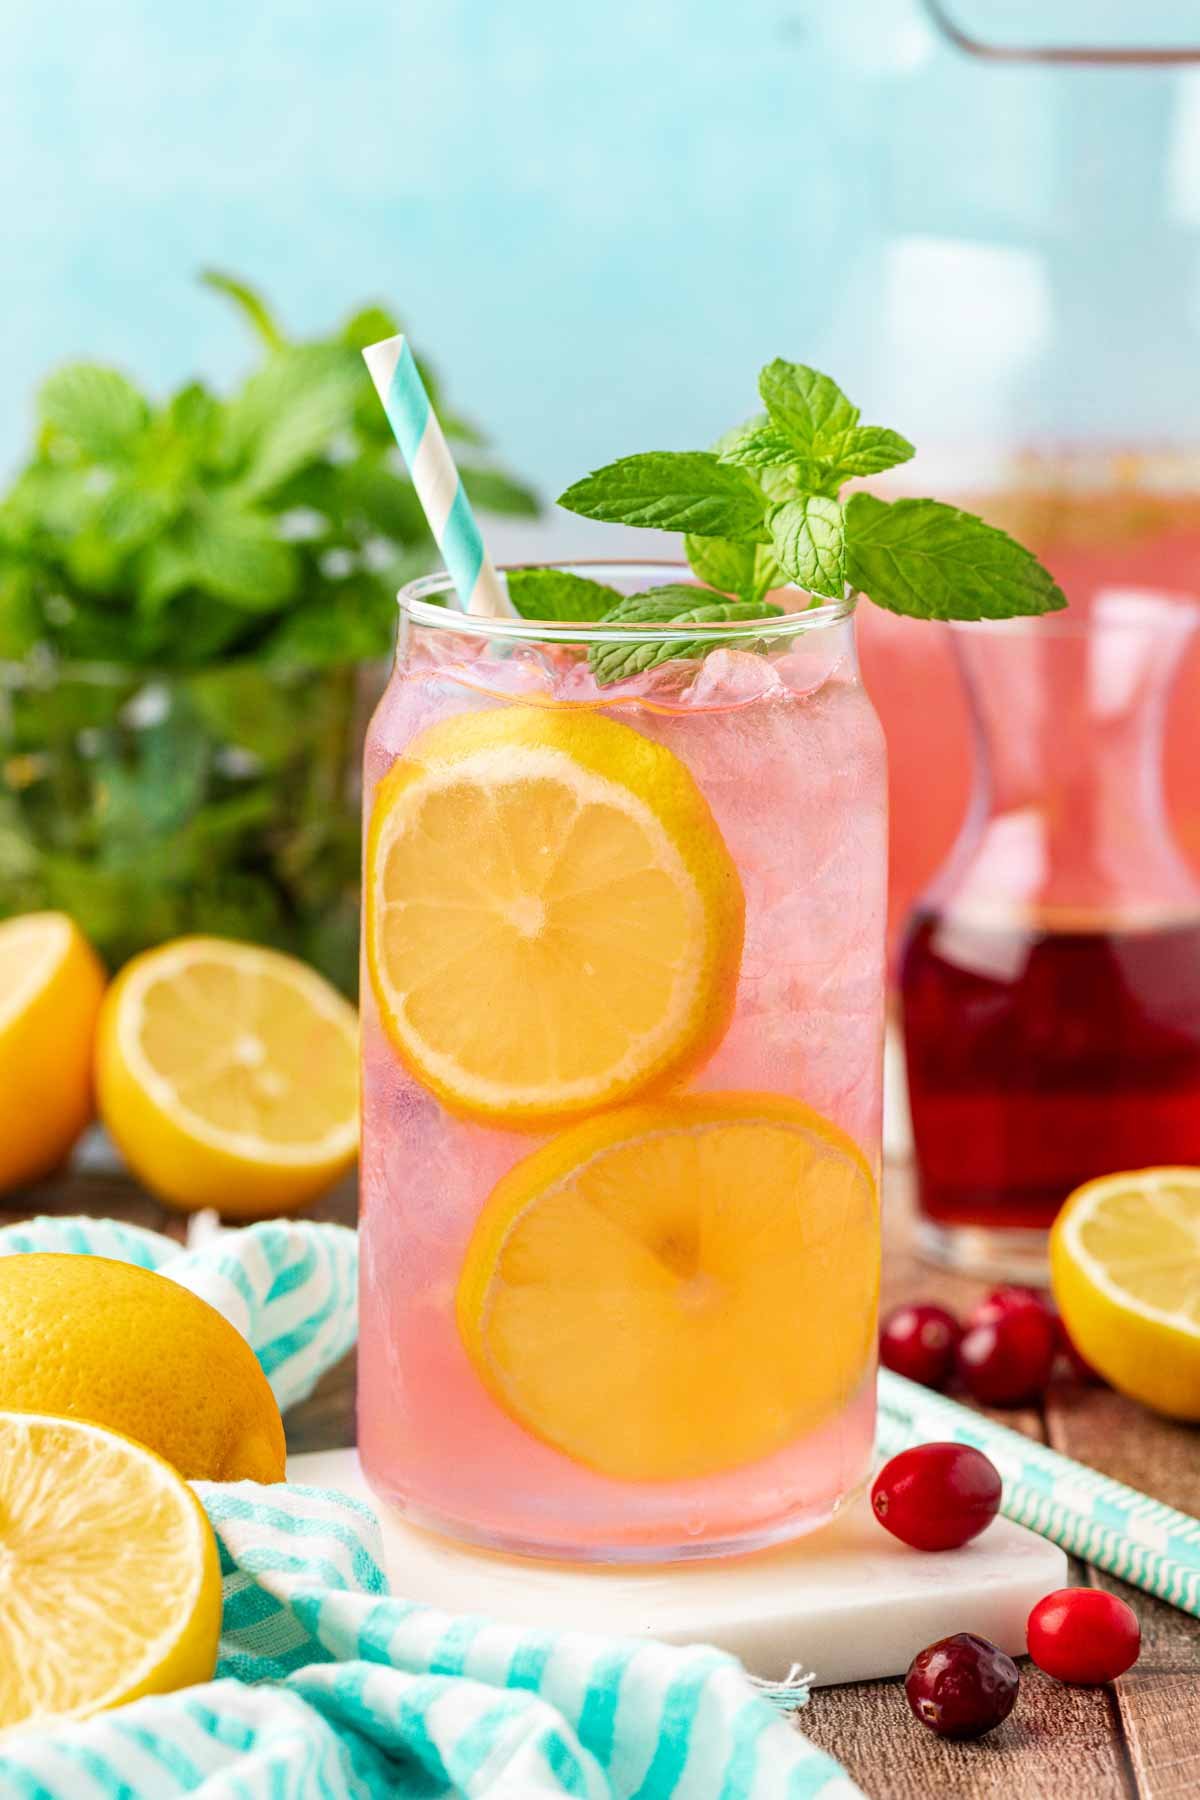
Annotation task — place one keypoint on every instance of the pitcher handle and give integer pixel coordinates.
(1144, 54)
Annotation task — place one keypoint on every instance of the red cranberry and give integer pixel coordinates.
(920, 1342)
(1083, 1635)
(1009, 1299)
(961, 1686)
(1009, 1361)
(937, 1496)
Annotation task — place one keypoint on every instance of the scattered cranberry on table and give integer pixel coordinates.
(1009, 1299)
(937, 1496)
(1009, 1361)
(961, 1686)
(1083, 1635)
(920, 1342)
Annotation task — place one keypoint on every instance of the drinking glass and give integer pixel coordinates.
(622, 1007)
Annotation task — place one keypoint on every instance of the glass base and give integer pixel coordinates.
(992, 1254)
(780, 1531)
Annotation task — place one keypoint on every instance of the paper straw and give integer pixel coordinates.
(1106, 1523)
(434, 476)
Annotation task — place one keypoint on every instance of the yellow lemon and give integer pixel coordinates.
(553, 920)
(228, 1076)
(112, 1583)
(678, 1287)
(51, 983)
(1125, 1264)
(137, 1353)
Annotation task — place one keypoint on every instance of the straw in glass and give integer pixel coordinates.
(438, 483)
(1106, 1523)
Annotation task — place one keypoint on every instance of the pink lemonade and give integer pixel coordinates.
(622, 1013)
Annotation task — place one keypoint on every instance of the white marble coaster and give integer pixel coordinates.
(848, 1602)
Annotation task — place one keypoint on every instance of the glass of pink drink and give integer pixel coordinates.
(622, 1015)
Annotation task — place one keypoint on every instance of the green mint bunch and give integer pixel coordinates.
(764, 508)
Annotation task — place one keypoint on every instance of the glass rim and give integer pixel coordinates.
(417, 602)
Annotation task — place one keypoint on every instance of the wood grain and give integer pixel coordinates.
(1136, 1740)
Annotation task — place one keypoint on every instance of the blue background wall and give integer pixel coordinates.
(598, 218)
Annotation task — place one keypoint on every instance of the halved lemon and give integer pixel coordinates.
(228, 1076)
(679, 1287)
(112, 1583)
(554, 922)
(1125, 1265)
(51, 983)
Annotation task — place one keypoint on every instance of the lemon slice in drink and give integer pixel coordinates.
(112, 1584)
(677, 1288)
(554, 922)
(228, 1076)
(1125, 1263)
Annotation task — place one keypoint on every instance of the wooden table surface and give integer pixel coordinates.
(1139, 1737)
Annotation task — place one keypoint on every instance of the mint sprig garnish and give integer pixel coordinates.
(673, 490)
(672, 605)
(765, 505)
(557, 595)
(933, 561)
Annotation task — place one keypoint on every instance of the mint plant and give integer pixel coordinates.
(764, 507)
(231, 561)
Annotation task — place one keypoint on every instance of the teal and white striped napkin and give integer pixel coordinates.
(328, 1688)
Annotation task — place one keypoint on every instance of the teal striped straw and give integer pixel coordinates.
(1106, 1523)
(434, 476)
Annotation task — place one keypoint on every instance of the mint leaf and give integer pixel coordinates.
(671, 605)
(759, 447)
(722, 564)
(555, 594)
(932, 561)
(673, 490)
(871, 449)
(97, 409)
(808, 539)
(250, 304)
(809, 408)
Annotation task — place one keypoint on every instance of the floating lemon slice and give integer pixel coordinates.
(228, 1076)
(1125, 1263)
(677, 1288)
(112, 1584)
(553, 920)
(51, 983)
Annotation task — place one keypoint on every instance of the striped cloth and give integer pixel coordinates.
(289, 1287)
(328, 1688)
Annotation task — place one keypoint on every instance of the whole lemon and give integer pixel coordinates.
(89, 1338)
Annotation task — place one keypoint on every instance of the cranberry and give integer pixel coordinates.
(936, 1496)
(1083, 1635)
(920, 1342)
(961, 1686)
(1008, 1361)
(1010, 1299)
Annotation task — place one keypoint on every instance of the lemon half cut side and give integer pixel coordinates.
(112, 1582)
(1125, 1266)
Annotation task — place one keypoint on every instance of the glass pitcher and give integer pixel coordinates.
(1050, 976)
(1026, 306)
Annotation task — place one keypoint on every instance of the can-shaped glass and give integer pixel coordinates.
(622, 1003)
